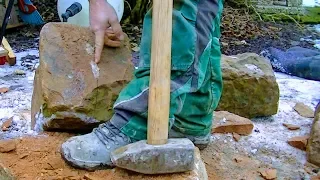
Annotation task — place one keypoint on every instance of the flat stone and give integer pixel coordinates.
(177, 155)
(313, 148)
(7, 124)
(250, 88)
(67, 95)
(225, 122)
(299, 142)
(291, 126)
(304, 110)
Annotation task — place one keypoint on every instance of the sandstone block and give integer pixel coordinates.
(225, 122)
(66, 94)
(313, 148)
(249, 86)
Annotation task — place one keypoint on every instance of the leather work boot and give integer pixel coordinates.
(92, 151)
(200, 141)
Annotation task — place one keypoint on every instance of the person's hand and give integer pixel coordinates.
(111, 39)
(105, 25)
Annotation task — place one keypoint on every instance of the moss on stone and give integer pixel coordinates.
(310, 16)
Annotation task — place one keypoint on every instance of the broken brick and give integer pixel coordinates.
(4, 90)
(299, 142)
(226, 122)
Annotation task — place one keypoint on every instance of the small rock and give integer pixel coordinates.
(253, 151)
(136, 49)
(299, 142)
(233, 124)
(269, 173)
(4, 90)
(315, 177)
(238, 160)
(7, 146)
(304, 110)
(295, 43)
(22, 156)
(291, 126)
(236, 136)
(7, 124)
(224, 44)
(19, 72)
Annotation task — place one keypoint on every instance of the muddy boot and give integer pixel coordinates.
(92, 151)
(200, 141)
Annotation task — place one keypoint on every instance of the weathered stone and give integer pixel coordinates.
(7, 146)
(177, 155)
(249, 86)
(299, 142)
(66, 94)
(313, 148)
(304, 110)
(225, 122)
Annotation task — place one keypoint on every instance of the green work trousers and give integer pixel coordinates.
(196, 80)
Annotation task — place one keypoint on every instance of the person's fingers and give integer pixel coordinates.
(110, 39)
(99, 43)
(112, 43)
(117, 30)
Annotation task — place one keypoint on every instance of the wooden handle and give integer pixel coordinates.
(159, 92)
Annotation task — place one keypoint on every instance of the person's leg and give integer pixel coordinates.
(195, 119)
(129, 122)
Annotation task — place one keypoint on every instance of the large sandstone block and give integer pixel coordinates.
(249, 86)
(313, 148)
(66, 94)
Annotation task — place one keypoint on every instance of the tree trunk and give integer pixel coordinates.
(137, 9)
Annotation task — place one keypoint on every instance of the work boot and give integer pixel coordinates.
(92, 151)
(199, 141)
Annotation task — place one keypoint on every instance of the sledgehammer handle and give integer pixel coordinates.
(159, 92)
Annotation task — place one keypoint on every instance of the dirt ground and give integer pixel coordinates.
(39, 158)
